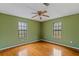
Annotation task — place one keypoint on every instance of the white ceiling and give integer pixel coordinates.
(25, 10)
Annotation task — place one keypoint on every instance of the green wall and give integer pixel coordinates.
(38, 30)
(70, 31)
(8, 31)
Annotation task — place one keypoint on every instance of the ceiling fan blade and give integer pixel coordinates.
(44, 11)
(34, 13)
(46, 15)
(35, 16)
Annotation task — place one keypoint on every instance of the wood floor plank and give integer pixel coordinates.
(39, 49)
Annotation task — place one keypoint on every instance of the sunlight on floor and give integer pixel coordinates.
(23, 52)
(57, 52)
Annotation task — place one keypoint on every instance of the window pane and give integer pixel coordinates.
(60, 23)
(59, 28)
(23, 28)
(55, 24)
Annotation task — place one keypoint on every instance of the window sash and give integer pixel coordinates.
(57, 29)
(22, 30)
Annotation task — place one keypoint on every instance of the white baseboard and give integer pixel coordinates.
(61, 44)
(36, 41)
(18, 45)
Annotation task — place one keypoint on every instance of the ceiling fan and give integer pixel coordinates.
(41, 13)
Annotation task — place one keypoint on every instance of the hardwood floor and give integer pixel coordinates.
(39, 49)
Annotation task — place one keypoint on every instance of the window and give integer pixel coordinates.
(57, 28)
(22, 30)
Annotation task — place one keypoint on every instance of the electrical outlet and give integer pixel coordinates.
(71, 42)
